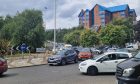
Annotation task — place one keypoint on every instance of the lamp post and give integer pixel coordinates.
(54, 47)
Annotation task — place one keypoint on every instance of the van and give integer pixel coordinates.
(67, 46)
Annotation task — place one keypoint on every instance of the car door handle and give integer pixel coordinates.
(116, 61)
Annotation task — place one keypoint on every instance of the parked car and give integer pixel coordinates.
(132, 47)
(3, 65)
(106, 62)
(128, 71)
(63, 57)
(95, 51)
(85, 53)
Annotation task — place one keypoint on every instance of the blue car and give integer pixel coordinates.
(63, 57)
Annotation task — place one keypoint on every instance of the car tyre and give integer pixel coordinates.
(76, 60)
(63, 62)
(92, 71)
(1, 74)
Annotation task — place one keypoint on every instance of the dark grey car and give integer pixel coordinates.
(63, 57)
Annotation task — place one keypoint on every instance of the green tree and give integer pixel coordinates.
(29, 28)
(137, 31)
(113, 35)
(73, 38)
(88, 38)
(1, 22)
(129, 27)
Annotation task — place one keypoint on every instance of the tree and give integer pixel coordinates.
(128, 23)
(29, 28)
(137, 31)
(1, 22)
(113, 35)
(25, 27)
(88, 38)
(73, 38)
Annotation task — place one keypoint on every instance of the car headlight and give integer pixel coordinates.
(128, 72)
(83, 64)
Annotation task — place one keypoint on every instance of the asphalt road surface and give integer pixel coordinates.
(45, 74)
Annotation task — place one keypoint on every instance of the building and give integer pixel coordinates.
(100, 16)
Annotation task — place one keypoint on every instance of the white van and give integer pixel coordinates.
(67, 46)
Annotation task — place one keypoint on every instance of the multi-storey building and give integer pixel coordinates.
(100, 16)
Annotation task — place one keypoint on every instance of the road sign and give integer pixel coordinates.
(17, 48)
(23, 47)
(28, 48)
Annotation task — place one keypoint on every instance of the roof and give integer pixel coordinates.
(132, 11)
(81, 13)
(102, 8)
(117, 8)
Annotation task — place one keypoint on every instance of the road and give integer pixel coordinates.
(45, 74)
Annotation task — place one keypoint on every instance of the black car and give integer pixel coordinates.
(63, 57)
(128, 71)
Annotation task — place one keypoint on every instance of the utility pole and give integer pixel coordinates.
(54, 46)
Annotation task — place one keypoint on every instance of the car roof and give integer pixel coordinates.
(117, 53)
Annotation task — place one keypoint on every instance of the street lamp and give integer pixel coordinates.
(54, 47)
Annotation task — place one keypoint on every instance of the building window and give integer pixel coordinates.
(101, 12)
(122, 14)
(102, 16)
(103, 20)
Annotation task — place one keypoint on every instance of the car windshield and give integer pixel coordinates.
(121, 50)
(85, 50)
(138, 55)
(96, 57)
(61, 52)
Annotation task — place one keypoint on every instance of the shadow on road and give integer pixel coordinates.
(8, 75)
(99, 74)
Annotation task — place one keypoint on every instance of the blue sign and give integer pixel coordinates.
(23, 47)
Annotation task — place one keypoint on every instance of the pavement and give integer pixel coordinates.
(27, 61)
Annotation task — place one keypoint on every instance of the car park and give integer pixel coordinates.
(85, 53)
(3, 65)
(128, 71)
(106, 62)
(63, 57)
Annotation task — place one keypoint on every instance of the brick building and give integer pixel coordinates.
(100, 16)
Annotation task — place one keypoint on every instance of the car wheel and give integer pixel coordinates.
(76, 60)
(1, 73)
(63, 62)
(92, 71)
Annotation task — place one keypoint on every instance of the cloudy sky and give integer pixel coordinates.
(67, 10)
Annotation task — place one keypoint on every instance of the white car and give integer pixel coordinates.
(106, 62)
(111, 49)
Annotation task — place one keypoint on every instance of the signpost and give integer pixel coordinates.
(23, 48)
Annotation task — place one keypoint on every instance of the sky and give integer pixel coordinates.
(66, 10)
